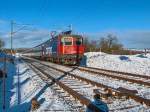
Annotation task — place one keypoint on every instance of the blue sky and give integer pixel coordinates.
(129, 20)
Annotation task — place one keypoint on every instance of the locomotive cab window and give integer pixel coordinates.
(78, 41)
(66, 41)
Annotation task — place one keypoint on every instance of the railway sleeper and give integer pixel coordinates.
(103, 94)
(127, 90)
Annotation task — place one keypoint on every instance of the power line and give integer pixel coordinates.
(12, 23)
(11, 35)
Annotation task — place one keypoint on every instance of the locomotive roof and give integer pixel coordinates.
(74, 35)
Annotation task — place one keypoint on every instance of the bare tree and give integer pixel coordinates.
(90, 46)
(86, 43)
(1, 43)
(110, 43)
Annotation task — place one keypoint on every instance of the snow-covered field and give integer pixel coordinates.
(139, 63)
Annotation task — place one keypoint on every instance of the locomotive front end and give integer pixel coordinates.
(72, 49)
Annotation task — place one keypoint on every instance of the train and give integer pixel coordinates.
(63, 48)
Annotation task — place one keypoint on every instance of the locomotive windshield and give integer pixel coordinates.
(66, 41)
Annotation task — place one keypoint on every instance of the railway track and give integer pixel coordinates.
(83, 100)
(111, 80)
(130, 77)
(118, 72)
(103, 90)
(57, 90)
(139, 79)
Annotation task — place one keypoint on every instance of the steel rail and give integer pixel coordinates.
(119, 72)
(116, 77)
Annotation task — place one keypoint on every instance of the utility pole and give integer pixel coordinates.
(70, 27)
(11, 36)
(4, 83)
(14, 32)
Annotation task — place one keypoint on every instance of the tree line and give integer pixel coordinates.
(1, 44)
(106, 44)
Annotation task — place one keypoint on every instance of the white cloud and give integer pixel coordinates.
(130, 39)
(136, 38)
(26, 38)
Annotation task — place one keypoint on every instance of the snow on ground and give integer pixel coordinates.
(23, 85)
(142, 91)
(10, 70)
(139, 63)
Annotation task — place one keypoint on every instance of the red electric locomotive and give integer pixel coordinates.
(65, 48)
